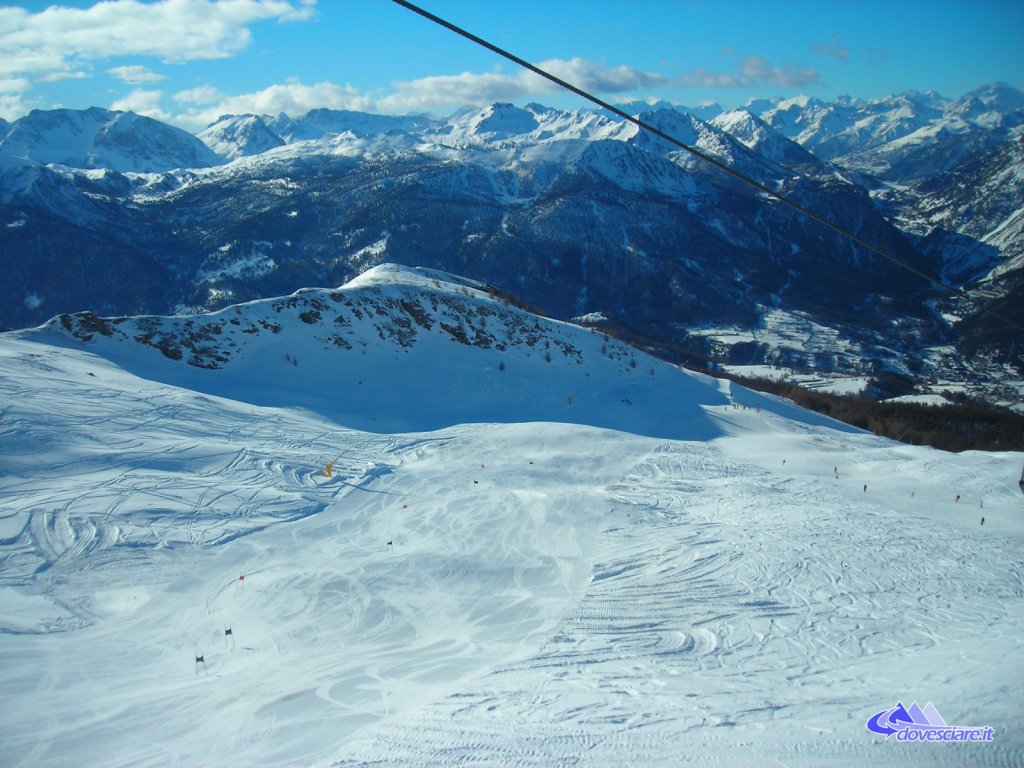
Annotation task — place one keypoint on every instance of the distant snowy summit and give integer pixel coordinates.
(853, 131)
(234, 136)
(829, 129)
(843, 130)
(102, 138)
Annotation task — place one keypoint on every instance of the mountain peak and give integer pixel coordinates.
(502, 120)
(998, 96)
(232, 136)
(103, 138)
(755, 134)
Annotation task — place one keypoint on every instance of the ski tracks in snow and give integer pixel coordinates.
(551, 594)
(724, 618)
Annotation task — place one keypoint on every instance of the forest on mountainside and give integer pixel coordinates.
(959, 426)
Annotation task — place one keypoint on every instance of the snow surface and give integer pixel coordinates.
(832, 383)
(920, 399)
(702, 588)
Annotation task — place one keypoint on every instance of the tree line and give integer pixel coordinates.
(955, 427)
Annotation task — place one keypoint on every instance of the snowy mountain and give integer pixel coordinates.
(989, 104)
(979, 202)
(898, 138)
(234, 136)
(757, 135)
(574, 212)
(228, 539)
(705, 112)
(326, 122)
(239, 135)
(972, 218)
(499, 121)
(808, 121)
(100, 138)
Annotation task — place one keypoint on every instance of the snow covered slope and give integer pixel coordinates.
(394, 340)
(664, 570)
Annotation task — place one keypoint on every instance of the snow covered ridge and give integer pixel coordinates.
(371, 352)
(212, 340)
(388, 302)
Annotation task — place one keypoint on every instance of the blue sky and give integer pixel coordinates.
(189, 61)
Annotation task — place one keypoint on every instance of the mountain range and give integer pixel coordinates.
(579, 214)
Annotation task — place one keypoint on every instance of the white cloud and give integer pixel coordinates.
(753, 72)
(14, 85)
(441, 92)
(143, 103)
(62, 39)
(53, 77)
(200, 106)
(13, 103)
(833, 48)
(758, 71)
(13, 106)
(598, 78)
(447, 91)
(204, 94)
(701, 78)
(135, 74)
(292, 98)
